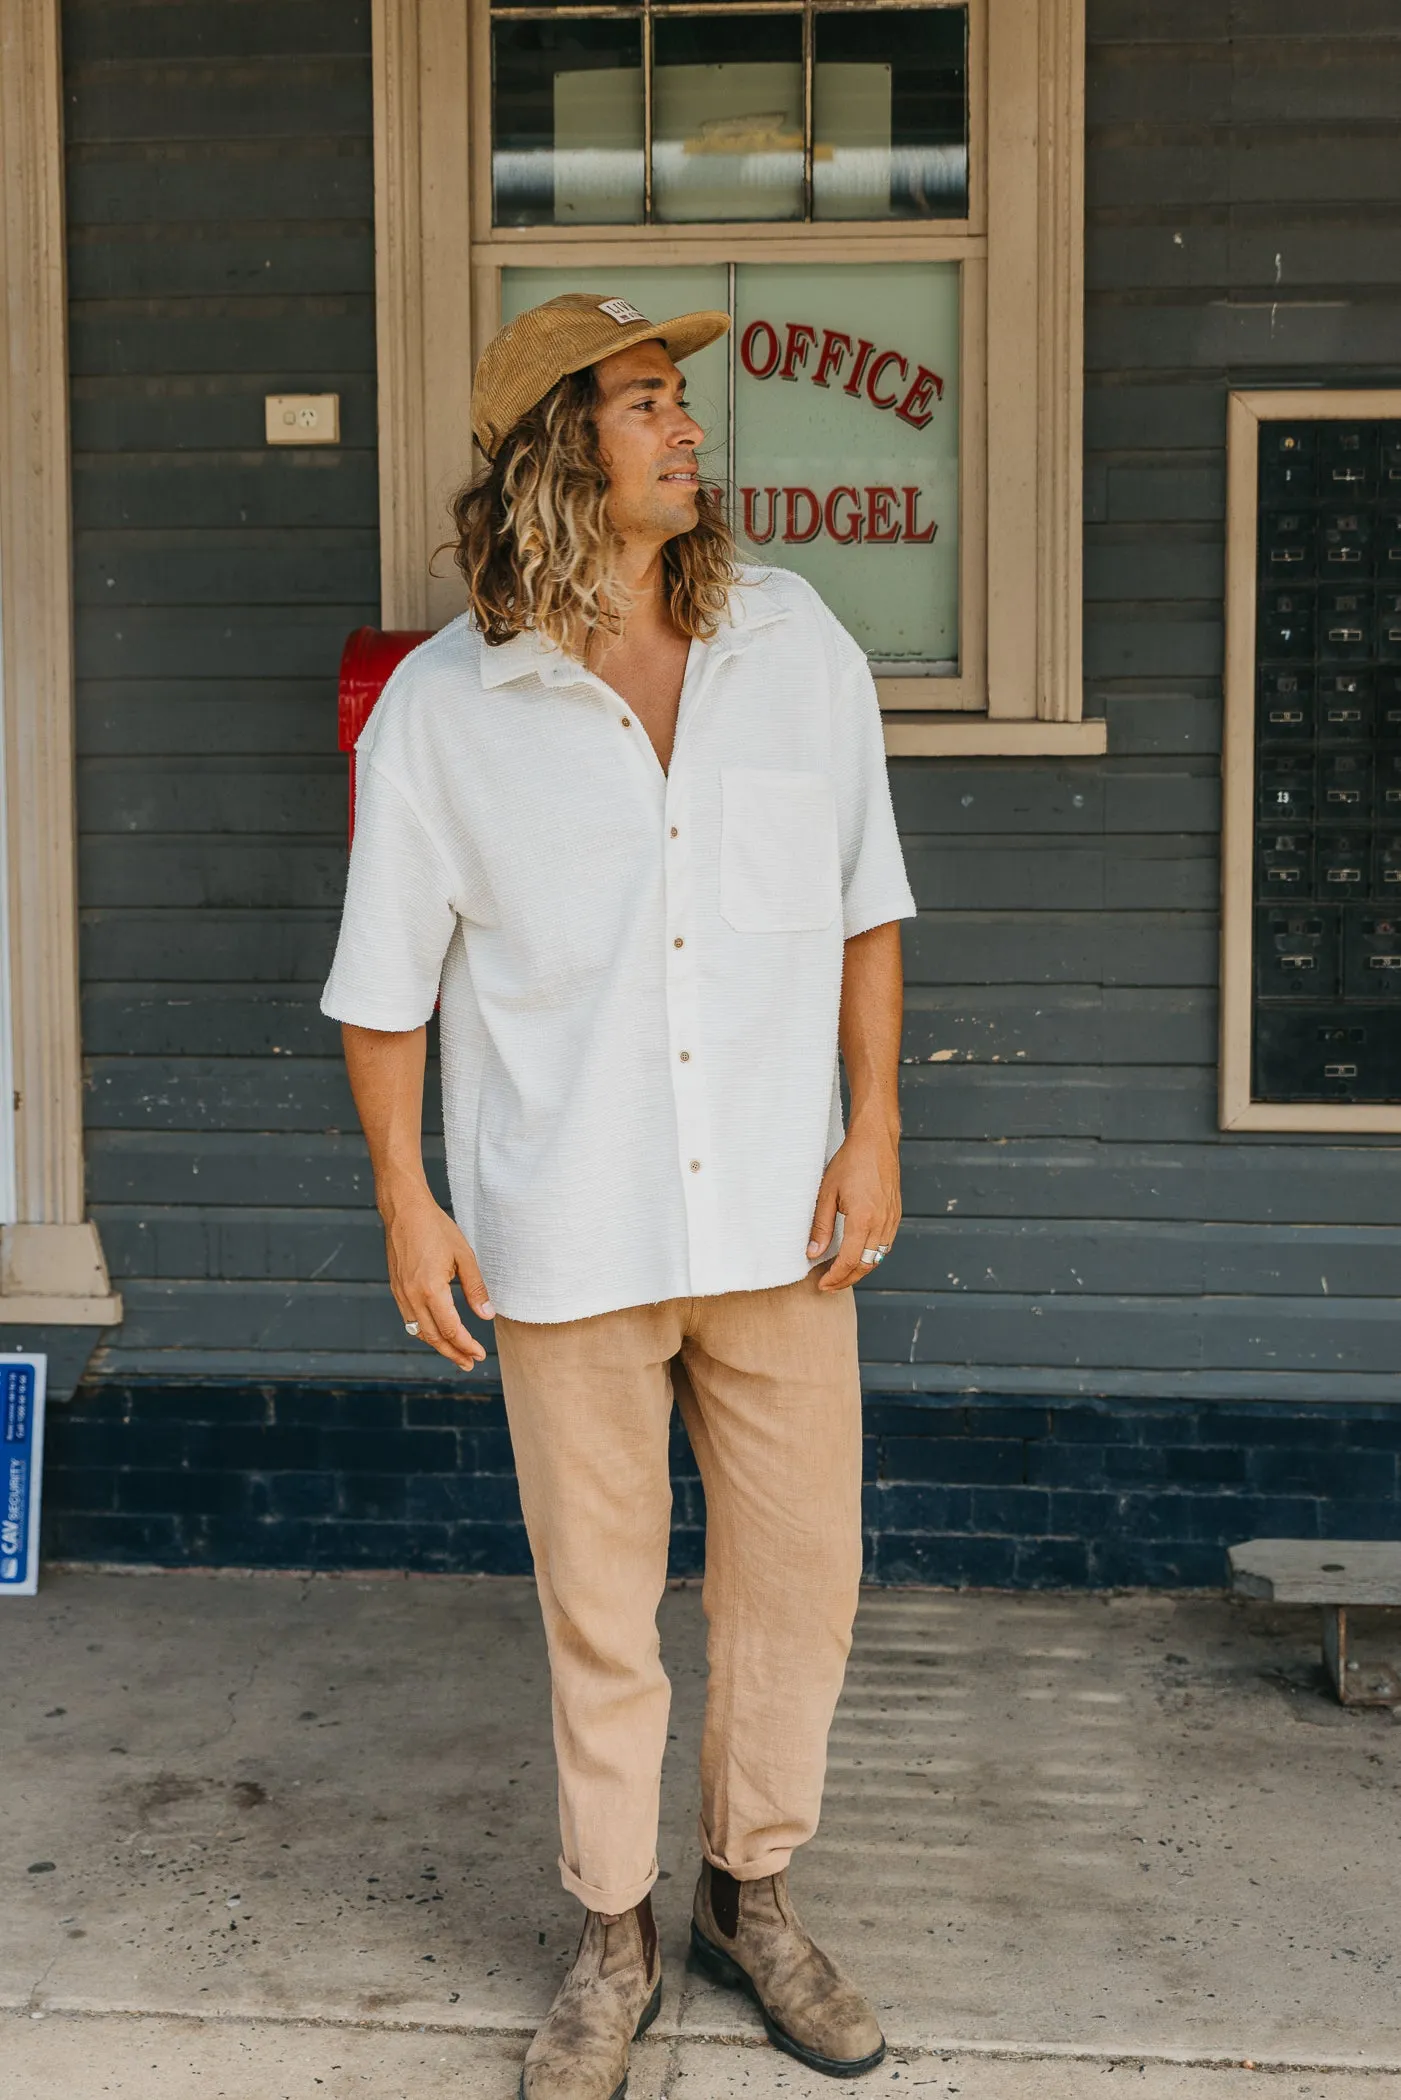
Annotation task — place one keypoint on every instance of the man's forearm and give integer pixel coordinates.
(386, 1078)
(872, 1007)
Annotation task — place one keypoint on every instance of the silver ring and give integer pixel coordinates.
(881, 1253)
(411, 1327)
(870, 1256)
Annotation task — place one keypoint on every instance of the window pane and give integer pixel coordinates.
(659, 293)
(846, 444)
(567, 123)
(727, 118)
(889, 108)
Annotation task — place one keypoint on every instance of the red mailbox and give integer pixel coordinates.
(369, 655)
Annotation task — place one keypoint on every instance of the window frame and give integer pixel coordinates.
(1246, 410)
(1020, 686)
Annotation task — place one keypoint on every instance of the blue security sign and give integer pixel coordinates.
(22, 1458)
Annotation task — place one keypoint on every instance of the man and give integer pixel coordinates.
(629, 817)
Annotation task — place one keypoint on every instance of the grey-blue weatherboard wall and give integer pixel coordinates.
(1111, 1338)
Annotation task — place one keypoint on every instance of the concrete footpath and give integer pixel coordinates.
(289, 1838)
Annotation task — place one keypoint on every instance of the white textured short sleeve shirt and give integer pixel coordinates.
(639, 971)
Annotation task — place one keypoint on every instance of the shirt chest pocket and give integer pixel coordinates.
(780, 869)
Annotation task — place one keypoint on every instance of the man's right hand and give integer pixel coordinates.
(426, 1251)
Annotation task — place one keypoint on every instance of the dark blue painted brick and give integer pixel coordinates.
(197, 1403)
(373, 1451)
(1383, 1434)
(485, 1450)
(83, 1440)
(953, 1459)
(292, 1494)
(1319, 1429)
(79, 1487)
(1058, 1465)
(182, 1494)
(1131, 1465)
(1184, 1564)
(102, 1535)
(1093, 1425)
(951, 1562)
(687, 1555)
(1235, 1518)
(380, 1495)
(1205, 1466)
(1313, 1472)
(1054, 1564)
(489, 1549)
(255, 1447)
(1079, 1513)
(912, 1507)
(903, 1418)
(1360, 1520)
(341, 1407)
(1025, 1512)
(474, 1410)
(990, 1418)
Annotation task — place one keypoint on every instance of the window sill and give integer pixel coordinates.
(976, 736)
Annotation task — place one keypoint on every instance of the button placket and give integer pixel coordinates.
(685, 1036)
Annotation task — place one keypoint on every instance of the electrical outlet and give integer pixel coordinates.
(303, 419)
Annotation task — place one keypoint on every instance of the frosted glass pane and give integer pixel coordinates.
(727, 119)
(567, 123)
(846, 444)
(598, 147)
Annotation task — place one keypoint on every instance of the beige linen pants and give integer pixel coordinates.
(771, 1400)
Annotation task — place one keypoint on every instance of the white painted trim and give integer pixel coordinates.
(37, 642)
(985, 737)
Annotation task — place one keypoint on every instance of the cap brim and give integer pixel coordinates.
(682, 336)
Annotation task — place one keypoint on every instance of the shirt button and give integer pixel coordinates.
(674, 832)
(695, 1166)
(685, 1057)
(626, 721)
(678, 942)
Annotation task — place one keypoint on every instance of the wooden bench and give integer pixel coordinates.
(1334, 1573)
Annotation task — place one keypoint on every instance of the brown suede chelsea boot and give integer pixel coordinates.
(746, 1935)
(610, 1996)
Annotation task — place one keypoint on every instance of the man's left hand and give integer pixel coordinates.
(862, 1181)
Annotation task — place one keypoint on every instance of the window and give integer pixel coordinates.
(884, 198)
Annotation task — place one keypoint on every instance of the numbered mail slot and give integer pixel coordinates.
(1286, 789)
(1350, 1054)
(1288, 462)
(1287, 625)
(1372, 953)
(1346, 707)
(1386, 865)
(1344, 863)
(1388, 704)
(1344, 793)
(1347, 461)
(1388, 542)
(1287, 712)
(1344, 625)
(1296, 952)
(1283, 865)
(1345, 543)
(1289, 546)
(1387, 794)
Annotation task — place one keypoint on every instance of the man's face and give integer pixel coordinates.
(648, 444)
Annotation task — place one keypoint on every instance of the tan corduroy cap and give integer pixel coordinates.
(519, 366)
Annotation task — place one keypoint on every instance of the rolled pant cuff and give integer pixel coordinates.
(613, 1902)
(753, 1869)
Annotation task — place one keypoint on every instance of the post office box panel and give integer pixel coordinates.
(1287, 625)
(1386, 865)
(1344, 793)
(1287, 789)
(1345, 544)
(1372, 952)
(1391, 459)
(1296, 952)
(1388, 685)
(1286, 713)
(1389, 626)
(1345, 625)
(1346, 1054)
(1386, 787)
(1346, 714)
(1347, 454)
(1283, 865)
(1343, 860)
(1288, 546)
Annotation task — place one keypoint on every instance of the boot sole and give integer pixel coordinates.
(649, 2013)
(710, 1960)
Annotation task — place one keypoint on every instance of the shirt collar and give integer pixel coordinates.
(754, 604)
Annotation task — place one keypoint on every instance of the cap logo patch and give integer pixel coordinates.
(620, 311)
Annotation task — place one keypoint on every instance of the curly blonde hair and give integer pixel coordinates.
(536, 547)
